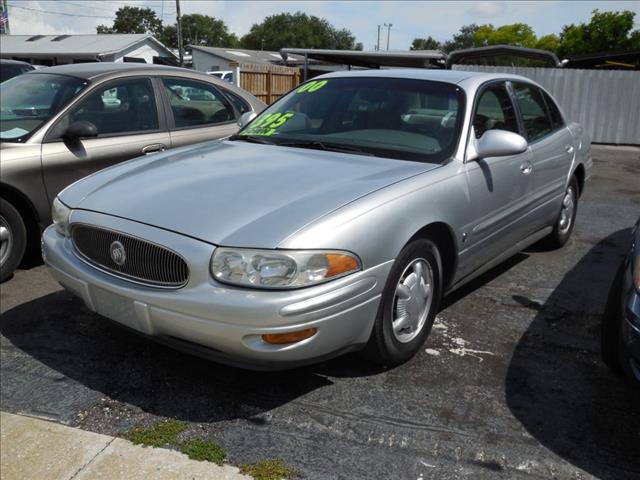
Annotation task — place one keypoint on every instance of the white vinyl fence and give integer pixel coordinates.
(606, 102)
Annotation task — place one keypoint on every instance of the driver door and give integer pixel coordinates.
(125, 114)
(499, 187)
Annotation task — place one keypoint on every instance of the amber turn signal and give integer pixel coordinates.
(339, 264)
(289, 337)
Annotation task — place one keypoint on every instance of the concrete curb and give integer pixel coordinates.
(33, 449)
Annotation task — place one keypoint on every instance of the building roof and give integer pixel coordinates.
(241, 55)
(376, 59)
(625, 60)
(91, 45)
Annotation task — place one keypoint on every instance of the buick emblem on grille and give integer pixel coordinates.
(118, 253)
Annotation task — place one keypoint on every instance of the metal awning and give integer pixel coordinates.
(376, 59)
(468, 55)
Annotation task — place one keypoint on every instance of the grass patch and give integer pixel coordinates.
(159, 435)
(268, 470)
(203, 451)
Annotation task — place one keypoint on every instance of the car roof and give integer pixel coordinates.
(436, 75)
(94, 70)
(6, 61)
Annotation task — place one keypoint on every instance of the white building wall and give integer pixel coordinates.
(205, 62)
(146, 51)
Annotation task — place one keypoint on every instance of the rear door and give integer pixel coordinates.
(197, 111)
(551, 144)
(499, 187)
(125, 113)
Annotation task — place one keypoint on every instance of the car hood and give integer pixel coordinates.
(235, 193)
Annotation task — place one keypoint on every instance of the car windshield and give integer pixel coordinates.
(27, 101)
(389, 117)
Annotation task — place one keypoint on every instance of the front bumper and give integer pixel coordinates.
(218, 321)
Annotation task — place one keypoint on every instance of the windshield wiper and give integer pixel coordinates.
(318, 145)
(251, 139)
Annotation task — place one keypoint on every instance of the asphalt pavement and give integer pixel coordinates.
(510, 383)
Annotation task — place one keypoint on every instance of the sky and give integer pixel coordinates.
(440, 19)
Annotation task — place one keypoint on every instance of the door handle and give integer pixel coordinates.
(154, 148)
(569, 148)
(526, 168)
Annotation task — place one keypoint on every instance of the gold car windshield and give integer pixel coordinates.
(389, 117)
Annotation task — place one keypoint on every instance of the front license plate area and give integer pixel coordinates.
(115, 307)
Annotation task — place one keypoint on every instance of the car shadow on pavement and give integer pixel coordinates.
(557, 385)
(58, 331)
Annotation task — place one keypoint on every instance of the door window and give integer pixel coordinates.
(495, 111)
(554, 112)
(241, 105)
(533, 110)
(120, 108)
(194, 103)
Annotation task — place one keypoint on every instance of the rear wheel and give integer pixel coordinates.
(13, 239)
(566, 217)
(409, 305)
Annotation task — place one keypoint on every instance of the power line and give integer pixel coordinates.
(91, 7)
(86, 6)
(61, 13)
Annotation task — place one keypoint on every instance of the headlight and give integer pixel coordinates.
(60, 215)
(280, 268)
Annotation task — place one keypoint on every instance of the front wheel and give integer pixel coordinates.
(563, 226)
(409, 305)
(13, 239)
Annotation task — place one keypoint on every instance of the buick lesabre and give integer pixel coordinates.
(334, 221)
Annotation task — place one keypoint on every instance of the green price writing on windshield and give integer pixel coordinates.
(312, 86)
(268, 124)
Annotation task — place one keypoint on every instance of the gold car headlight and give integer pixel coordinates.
(60, 215)
(280, 268)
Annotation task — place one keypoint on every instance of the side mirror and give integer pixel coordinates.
(245, 118)
(497, 143)
(81, 129)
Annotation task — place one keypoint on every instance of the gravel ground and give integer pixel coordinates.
(510, 383)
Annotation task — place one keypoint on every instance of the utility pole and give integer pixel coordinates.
(378, 44)
(388, 25)
(179, 32)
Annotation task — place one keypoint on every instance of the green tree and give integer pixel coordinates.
(428, 43)
(518, 34)
(606, 31)
(297, 30)
(465, 38)
(134, 20)
(199, 29)
(548, 42)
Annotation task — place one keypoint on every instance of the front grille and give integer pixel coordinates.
(138, 260)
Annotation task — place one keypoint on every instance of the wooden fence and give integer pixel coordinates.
(268, 82)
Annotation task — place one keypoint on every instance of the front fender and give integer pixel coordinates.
(376, 227)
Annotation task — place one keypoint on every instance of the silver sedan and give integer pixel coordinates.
(334, 221)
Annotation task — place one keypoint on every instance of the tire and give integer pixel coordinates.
(13, 239)
(561, 230)
(610, 332)
(391, 343)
